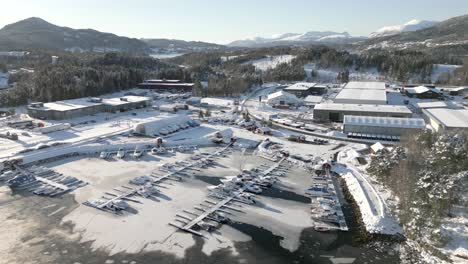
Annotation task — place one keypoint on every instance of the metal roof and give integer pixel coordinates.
(362, 95)
(303, 86)
(452, 118)
(365, 85)
(380, 121)
(363, 108)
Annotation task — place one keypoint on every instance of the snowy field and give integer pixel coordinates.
(439, 69)
(270, 62)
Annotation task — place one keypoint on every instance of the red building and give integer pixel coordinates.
(175, 86)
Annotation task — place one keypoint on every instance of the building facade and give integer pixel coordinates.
(331, 112)
(74, 108)
(376, 125)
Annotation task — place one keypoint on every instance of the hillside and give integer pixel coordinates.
(168, 45)
(451, 32)
(36, 33)
(412, 25)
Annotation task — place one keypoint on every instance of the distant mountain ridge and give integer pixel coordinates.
(296, 38)
(409, 26)
(451, 32)
(36, 33)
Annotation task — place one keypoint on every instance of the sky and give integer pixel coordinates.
(224, 21)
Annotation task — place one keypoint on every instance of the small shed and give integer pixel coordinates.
(264, 131)
(377, 147)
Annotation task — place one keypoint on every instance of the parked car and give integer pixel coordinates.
(137, 153)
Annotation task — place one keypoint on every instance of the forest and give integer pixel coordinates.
(80, 76)
(428, 174)
(227, 73)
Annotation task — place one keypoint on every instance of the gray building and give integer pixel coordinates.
(73, 108)
(444, 119)
(381, 127)
(362, 93)
(331, 112)
(304, 89)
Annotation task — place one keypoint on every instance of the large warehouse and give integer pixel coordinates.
(444, 119)
(331, 112)
(85, 106)
(380, 127)
(282, 98)
(362, 93)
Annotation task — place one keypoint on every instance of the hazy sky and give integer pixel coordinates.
(223, 21)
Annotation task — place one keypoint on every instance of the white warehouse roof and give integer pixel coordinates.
(151, 128)
(313, 99)
(384, 121)
(284, 95)
(364, 108)
(451, 118)
(365, 85)
(361, 96)
(68, 105)
(300, 86)
(421, 90)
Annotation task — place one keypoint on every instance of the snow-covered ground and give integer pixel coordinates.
(375, 212)
(270, 62)
(330, 75)
(439, 69)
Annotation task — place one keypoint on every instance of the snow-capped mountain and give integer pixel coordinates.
(291, 38)
(412, 25)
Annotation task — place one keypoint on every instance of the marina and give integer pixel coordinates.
(326, 208)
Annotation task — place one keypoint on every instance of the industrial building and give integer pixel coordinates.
(331, 112)
(312, 100)
(423, 92)
(85, 106)
(163, 126)
(304, 89)
(362, 93)
(458, 91)
(283, 99)
(174, 86)
(444, 119)
(378, 127)
(420, 106)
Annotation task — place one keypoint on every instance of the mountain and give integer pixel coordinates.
(36, 33)
(296, 39)
(449, 33)
(175, 45)
(412, 25)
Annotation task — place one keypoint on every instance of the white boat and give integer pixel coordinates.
(103, 155)
(245, 198)
(121, 153)
(147, 190)
(252, 188)
(140, 180)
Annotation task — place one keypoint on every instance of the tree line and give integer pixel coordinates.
(428, 173)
